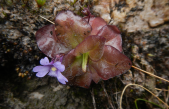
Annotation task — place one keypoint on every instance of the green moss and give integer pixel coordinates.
(9, 2)
(23, 5)
(72, 3)
(4, 14)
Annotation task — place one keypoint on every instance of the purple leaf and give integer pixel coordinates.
(112, 35)
(48, 43)
(83, 80)
(95, 77)
(71, 29)
(112, 63)
(73, 65)
(93, 45)
(96, 23)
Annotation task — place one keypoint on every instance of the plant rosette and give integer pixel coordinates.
(92, 49)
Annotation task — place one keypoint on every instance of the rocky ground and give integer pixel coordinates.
(145, 31)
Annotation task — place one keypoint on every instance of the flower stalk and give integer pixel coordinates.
(84, 61)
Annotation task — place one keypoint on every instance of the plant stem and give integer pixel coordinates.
(84, 61)
(145, 101)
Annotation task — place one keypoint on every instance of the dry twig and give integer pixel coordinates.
(161, 89)
(47, 19)
(150, 74)
(93, 99)
(143, 88)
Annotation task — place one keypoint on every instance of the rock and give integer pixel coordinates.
(155, 22)
(135, 24)
(103, 8)
(14, 34)
(36, 95)
(26, 41)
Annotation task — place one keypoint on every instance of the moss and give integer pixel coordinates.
(9, 2)
(72, 3)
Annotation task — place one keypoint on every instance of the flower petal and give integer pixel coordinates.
(42, 70)
(61, 78)
(59, 66)
(52, 73)
(45, 61)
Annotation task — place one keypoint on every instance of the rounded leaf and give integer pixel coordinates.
(112, 35)
(93, 44)
(112, 63)
(96, 23)
(95, 77)
(73, 66)
(71, 29)
(48, 43)
(83, 80)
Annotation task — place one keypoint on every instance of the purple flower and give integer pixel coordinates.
(54, 70)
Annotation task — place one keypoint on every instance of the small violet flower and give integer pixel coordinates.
(54, 70)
